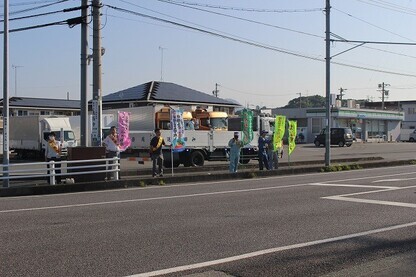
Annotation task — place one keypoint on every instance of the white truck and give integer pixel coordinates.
(29, 134)
(107, 121)
(201, 144)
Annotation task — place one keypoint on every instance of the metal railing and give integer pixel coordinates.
(18, 171)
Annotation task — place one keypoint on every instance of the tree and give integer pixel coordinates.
(315, 101)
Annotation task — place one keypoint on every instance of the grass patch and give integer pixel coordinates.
(340, 167)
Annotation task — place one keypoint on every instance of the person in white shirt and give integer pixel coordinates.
(112, 147)
(53, 153)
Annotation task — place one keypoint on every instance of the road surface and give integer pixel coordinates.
(328, 224)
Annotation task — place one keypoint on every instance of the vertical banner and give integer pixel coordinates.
(247, 126)
(177, 130)
(292, 135)
(279, 131)
(123, 130)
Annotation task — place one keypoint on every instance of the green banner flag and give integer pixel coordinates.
(293, 126)
(247, 126)
(279, 131)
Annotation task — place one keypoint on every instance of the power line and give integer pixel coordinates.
(389, 6)
(273, 26)
(71, 22)
(371, 24)
(240, 18)
(284, 51)
(244, 9)
(36, 8)
(43, 14)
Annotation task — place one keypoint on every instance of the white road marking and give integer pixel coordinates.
(351, 186)
(270, 251)
(393, 180)
(370, 201)
(149, 199)
(374, 176)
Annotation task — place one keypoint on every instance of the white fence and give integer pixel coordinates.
(19, 171)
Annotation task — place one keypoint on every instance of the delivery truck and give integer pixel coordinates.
(29, 134)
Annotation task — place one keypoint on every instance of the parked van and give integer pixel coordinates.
(339, 136)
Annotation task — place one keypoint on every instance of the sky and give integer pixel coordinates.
(259, 52)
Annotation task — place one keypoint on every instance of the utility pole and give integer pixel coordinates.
(96, 85)
(6, 94)
(84, 74)
(216, 91)
(384, 92)
(15, 77)
(300, 100)
(328, 83)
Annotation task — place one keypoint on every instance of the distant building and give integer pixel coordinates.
(153, 93)
(366, 124)
(408, 108)
(24, 106)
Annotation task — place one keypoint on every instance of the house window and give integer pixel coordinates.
(21, 113)
(411, 111)
(45, 113)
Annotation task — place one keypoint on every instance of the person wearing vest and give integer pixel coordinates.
(53, 153)
(112, 148)
(156, 153)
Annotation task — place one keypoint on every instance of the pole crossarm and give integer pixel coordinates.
(361, 44)
(373, 42)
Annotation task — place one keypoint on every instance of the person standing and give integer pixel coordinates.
(112, 148)
(156, 153)
(53, 153)
(235, 146)
(263, 146)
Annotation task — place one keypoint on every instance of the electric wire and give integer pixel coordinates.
(284, 51)
(389, 6)
(36, 8)
(378, 27)
(245, 9)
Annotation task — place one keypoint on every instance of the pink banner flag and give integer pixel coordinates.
(123, 130)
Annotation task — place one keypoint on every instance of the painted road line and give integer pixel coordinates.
(351, 186)
(369, 201)
(393, 180)
(149, 199)
(271, 251)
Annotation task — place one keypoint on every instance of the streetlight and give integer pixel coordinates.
(161, 62)
(15, 77)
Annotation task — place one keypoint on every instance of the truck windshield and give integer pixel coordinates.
(219, 123)
(68, 135)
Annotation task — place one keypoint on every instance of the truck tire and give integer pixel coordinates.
(412, 140)
(317, 143)
(341, 144)
(197, 158)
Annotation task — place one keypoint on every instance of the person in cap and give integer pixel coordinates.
(53, 153)
(235, 146)
(263, 145)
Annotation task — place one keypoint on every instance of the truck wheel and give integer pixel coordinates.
(341, 144)
(317, 143)
(412, 140)
(197, 158)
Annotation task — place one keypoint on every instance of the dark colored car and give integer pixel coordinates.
(339, 136)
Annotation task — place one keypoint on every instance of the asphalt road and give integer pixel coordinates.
(353, 223)
(309, 152)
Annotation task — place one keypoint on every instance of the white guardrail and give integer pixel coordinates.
(28, 171)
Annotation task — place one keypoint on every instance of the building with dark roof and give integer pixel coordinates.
(153, 93)
(22, 106)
